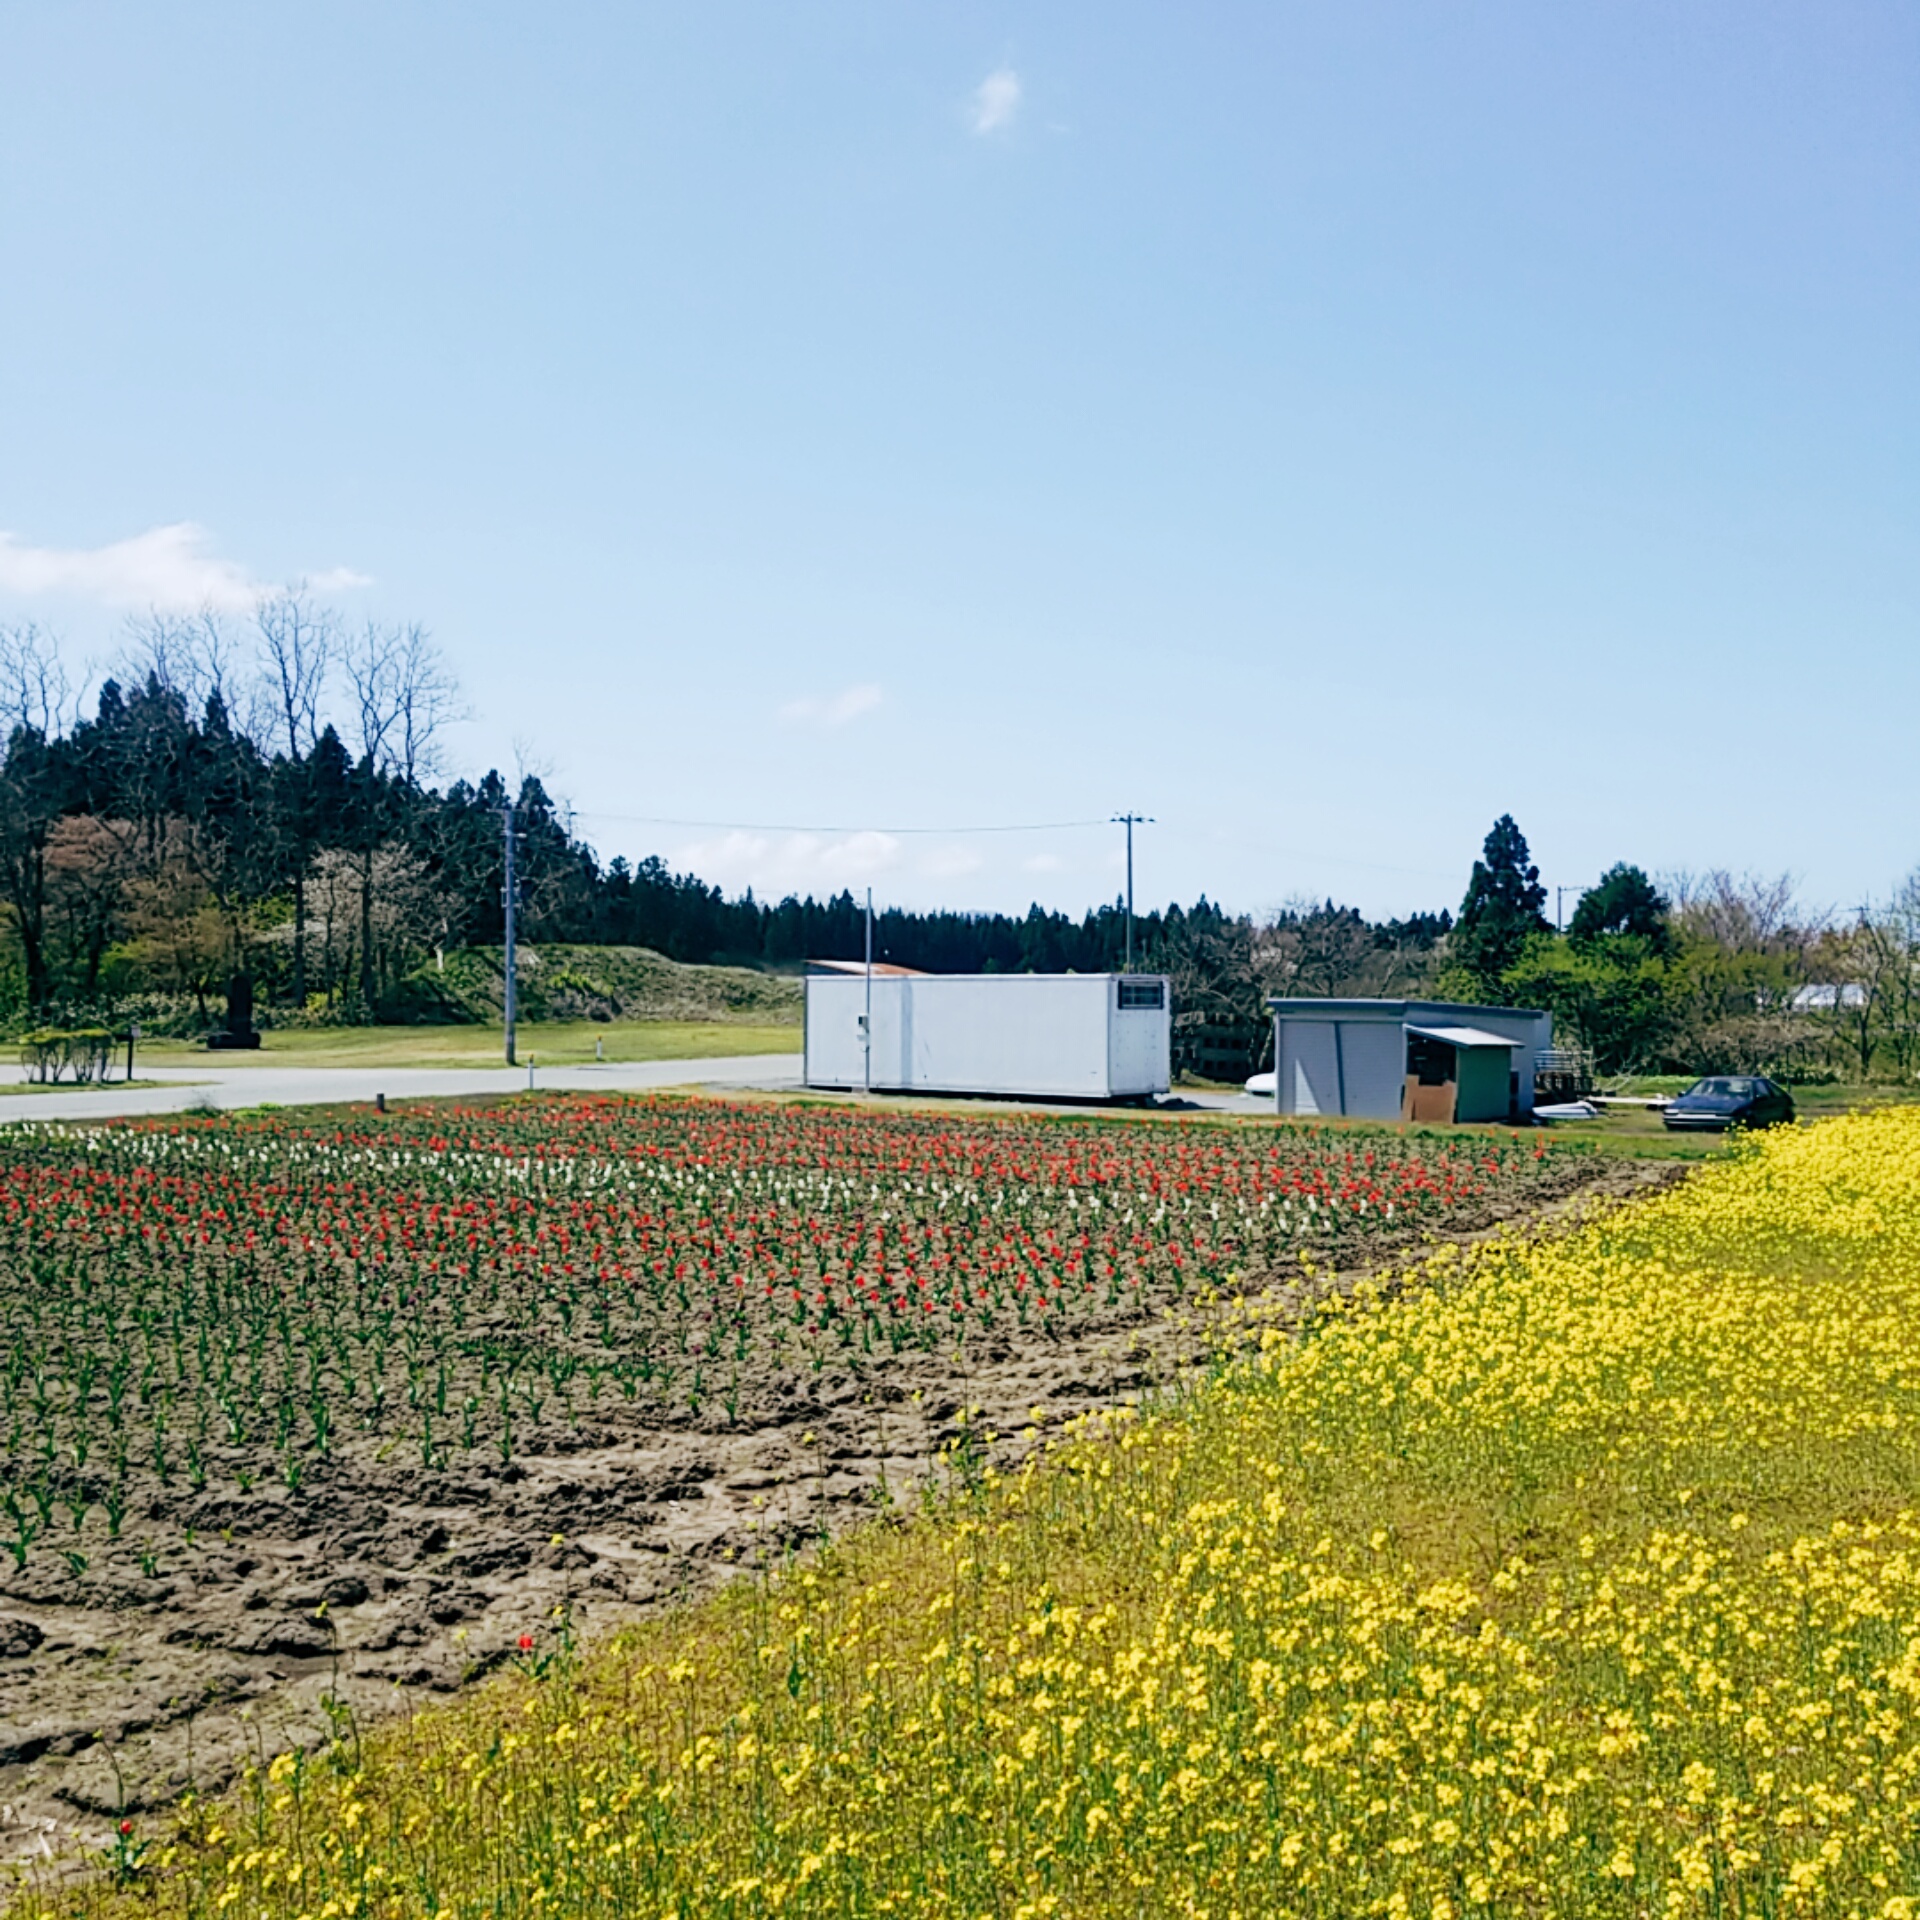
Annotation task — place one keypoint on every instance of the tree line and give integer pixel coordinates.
(1712, 972)
(260, 797)
(264, 798)
(1705, 973)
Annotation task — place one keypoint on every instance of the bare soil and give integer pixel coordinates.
(376, 1584)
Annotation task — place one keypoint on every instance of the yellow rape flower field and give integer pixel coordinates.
(1583, 1579)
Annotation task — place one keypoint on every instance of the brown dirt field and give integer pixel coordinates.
(378, 1584)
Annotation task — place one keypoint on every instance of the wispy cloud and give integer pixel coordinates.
(950, 863)
(171, 569)
(995, 101)
(774, 864)
(834, 709)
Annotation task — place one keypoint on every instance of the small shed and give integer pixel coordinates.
(1430, 1060)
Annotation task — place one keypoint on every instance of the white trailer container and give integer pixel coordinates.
(1050, 1036)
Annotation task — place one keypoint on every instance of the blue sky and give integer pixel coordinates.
(1321, 428)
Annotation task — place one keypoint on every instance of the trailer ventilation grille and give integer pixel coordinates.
(1142, 993)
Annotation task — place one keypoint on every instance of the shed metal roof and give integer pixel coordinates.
(1462, 1012)
(882, 969)
(1464, 1036)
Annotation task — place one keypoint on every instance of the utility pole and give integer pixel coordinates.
(866, 1019)
(1130, 821)
(508, 902)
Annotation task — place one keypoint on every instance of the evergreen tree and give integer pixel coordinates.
(1625, 902)
(1501, 913)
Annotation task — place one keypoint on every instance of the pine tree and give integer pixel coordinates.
(1624, 902)
(1501, 913)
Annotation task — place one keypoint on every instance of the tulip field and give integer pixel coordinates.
(227, 1304)
(1581, 1580)
(298, 1408)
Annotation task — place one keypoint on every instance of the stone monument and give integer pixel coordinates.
(238, 1035)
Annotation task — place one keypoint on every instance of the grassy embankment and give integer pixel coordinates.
(627, 1002)
(1585, 1581)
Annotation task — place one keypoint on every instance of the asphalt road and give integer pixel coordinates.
(256, 1084)
(252, 1086)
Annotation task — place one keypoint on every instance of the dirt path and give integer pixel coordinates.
(377, 1582)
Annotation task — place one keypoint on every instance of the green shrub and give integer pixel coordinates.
(53, 1054)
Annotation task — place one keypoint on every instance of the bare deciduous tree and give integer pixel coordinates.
(34, 689)
(1900, 1023)
(404, 695)
(200, 657)
(1315, 948)
(429, 703)
(1745, 913)
(34, 692)
(296, 645)
(356, 946)
(1870, 984)
(1746, 946)
(402, 692)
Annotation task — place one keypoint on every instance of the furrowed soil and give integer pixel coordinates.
(220, 1625)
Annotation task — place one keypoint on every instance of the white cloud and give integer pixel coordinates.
(995, 102)
(337, 580)
(1044, 863)
(775, 864)
(169, 569)
(832, 710)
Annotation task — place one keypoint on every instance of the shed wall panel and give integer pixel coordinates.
(1309, 1076)
(1482, 1091)
(1374, 1067)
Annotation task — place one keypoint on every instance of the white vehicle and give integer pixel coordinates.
(1045, 1036)
(1262, 1086)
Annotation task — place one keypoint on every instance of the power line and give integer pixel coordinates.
(1270, 849)
(1277, 849)
(763, 826)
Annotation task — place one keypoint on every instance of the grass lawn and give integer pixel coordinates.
(1821, 1103)
(551, 1043)
(1638, 1133)
(1632, 1132)
(115, 1085)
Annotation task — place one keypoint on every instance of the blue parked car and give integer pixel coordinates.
(1730, 1100)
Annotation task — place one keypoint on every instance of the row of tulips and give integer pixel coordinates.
(212, 1302)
